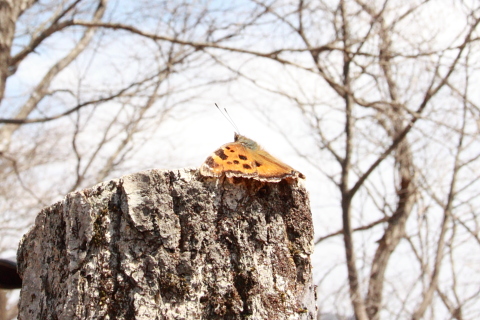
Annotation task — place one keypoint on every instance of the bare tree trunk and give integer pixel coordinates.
(9, 12)
(171, 245)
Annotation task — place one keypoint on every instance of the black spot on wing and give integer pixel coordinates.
(257, 164)
(211, 163)
(236, 161)
(246, 166)
(241, 156)
(221, 154)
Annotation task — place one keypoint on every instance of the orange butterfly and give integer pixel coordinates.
(244, 158)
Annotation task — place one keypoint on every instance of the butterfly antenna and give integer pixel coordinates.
(227, 116)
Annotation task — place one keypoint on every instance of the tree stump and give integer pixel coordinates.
(171, 245)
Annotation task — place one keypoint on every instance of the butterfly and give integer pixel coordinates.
(244, 158)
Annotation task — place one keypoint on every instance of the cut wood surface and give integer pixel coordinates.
(165, 244)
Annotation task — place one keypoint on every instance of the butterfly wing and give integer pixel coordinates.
(244, 158)
(231, 159)
(271, 169)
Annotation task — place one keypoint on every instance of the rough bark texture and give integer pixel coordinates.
(171, 245)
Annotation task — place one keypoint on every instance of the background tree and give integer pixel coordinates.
(377, 98)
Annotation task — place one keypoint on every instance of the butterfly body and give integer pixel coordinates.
(244, 158)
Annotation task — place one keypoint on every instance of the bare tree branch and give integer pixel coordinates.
(55, 26)
(41, 90)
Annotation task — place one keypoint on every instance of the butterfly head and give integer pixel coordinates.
(247, 143)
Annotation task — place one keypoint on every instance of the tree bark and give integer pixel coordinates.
(171, 245)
